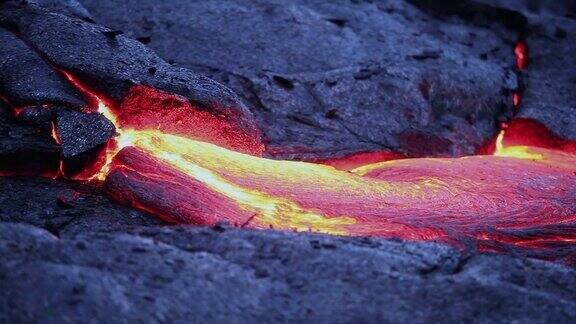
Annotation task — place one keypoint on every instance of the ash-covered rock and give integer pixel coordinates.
(199, 274)
(331, 78)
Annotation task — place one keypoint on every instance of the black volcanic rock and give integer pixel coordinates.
(549, 80)
(185, 274)
(68, 7)
(67, 251)
(80, 132)
(400, 78)
(26, 79)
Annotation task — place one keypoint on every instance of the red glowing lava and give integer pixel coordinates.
(528, 132)
(521, 54)
(516, 99)
(173, 114)
(356, 160)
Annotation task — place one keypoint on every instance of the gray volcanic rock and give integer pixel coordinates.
(549, 80)
(222, 275)
(68, 7)
(331, 78)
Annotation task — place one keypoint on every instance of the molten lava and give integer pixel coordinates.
(520, 192)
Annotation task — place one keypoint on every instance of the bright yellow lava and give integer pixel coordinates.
(519, 152)
(198, 160)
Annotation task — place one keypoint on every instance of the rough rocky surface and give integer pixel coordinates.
(328, 79)
(26, 79)
(79, 132)
(550, 82)
(183, 274)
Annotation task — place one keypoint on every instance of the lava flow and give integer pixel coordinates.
(521, 196)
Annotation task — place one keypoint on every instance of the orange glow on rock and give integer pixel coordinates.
(519, 152)
(54, 134)
(528, 132)
(167, 113)
(183, 174)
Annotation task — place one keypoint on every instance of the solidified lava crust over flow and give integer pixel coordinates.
(519, 198)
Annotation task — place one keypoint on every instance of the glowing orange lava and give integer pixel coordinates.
(356, 160)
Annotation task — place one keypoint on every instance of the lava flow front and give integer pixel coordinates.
(522, 197)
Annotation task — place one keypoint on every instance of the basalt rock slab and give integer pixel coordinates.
(110, 64)
(330, 79)
(79, 132)
(220, 275)
(76, 132)
(550, 82)
(38, 137)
